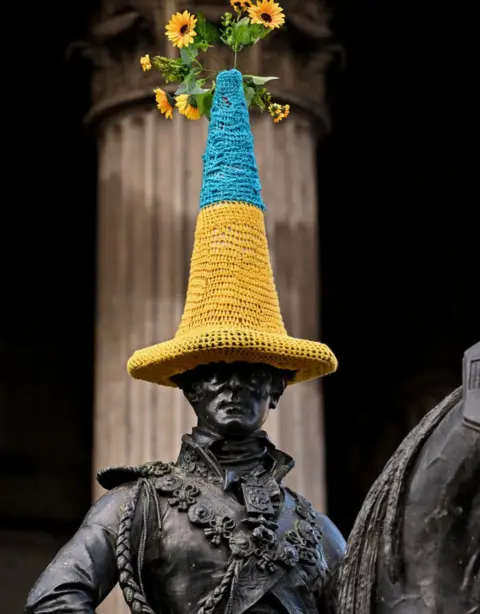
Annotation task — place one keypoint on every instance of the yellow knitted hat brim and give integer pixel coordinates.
(232, 312)
(158, 363)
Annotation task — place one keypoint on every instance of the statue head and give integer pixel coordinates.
(233, 399)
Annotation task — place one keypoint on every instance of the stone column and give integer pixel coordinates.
(145, 233)
(149, 183)
(286, 159)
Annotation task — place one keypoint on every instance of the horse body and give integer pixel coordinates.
(415, 545)
(440, 539)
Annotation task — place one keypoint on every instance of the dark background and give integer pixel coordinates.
(398, 203)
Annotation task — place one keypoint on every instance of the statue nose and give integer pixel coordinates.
(235, 383)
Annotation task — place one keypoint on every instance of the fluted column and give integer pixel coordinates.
(286, 159)
(147, 184)
(150, 174)
(148, 187)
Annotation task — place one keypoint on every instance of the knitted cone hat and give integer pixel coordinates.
(232, 311)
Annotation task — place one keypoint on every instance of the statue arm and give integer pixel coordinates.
(84, 570)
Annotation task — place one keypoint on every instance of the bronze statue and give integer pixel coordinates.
(214, 532)
(415, 545)
(217, 531)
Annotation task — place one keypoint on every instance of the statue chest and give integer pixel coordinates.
(262, 533)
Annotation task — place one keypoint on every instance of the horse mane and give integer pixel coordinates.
(379, 523)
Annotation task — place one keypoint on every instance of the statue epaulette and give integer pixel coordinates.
(303, 505)
(111, 477)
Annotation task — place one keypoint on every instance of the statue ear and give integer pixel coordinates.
(193, 393)
(186, 383)
(191, 396)
(277, 388)
(273, 402)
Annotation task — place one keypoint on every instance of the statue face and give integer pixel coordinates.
(232, 400)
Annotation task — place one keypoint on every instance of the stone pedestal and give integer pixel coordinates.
(149, 184)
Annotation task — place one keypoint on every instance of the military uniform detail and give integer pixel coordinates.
(181, 539)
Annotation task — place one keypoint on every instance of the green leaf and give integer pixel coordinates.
(188, 53)
(204, 103)
(249, 94)
(200, 27)
(241, 35)
(206, 30)
(185, 56)
(187, 84)
(212, 35)
(258, 31)
(244, 21)
(203, 45)
(197, 90)
(259, 80)
(190, 86)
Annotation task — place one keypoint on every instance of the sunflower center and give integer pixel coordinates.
(266, 17)
(184, 29)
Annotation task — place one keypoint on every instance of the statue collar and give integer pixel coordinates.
(199, 443)
(206, 438)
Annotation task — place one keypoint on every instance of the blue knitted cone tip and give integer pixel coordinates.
(229, 167)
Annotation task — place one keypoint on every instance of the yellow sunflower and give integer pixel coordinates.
(267, 12)
(145, 63)
(279, 112)
(164, 103)
(180, 29)
(187, 107)
(240, 5)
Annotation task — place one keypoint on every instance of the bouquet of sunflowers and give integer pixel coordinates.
(194, 35)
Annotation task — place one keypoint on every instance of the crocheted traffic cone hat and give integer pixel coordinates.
(232, 311)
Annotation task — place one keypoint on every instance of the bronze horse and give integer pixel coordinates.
(415, 545)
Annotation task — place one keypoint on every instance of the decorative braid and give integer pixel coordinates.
(155, 470)
(214, 598)
(111, 477)
(132, 593)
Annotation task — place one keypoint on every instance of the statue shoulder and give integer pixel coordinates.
(111, 477)
(107, 510)
(333, 542)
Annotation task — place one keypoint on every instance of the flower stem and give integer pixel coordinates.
(236, 50)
